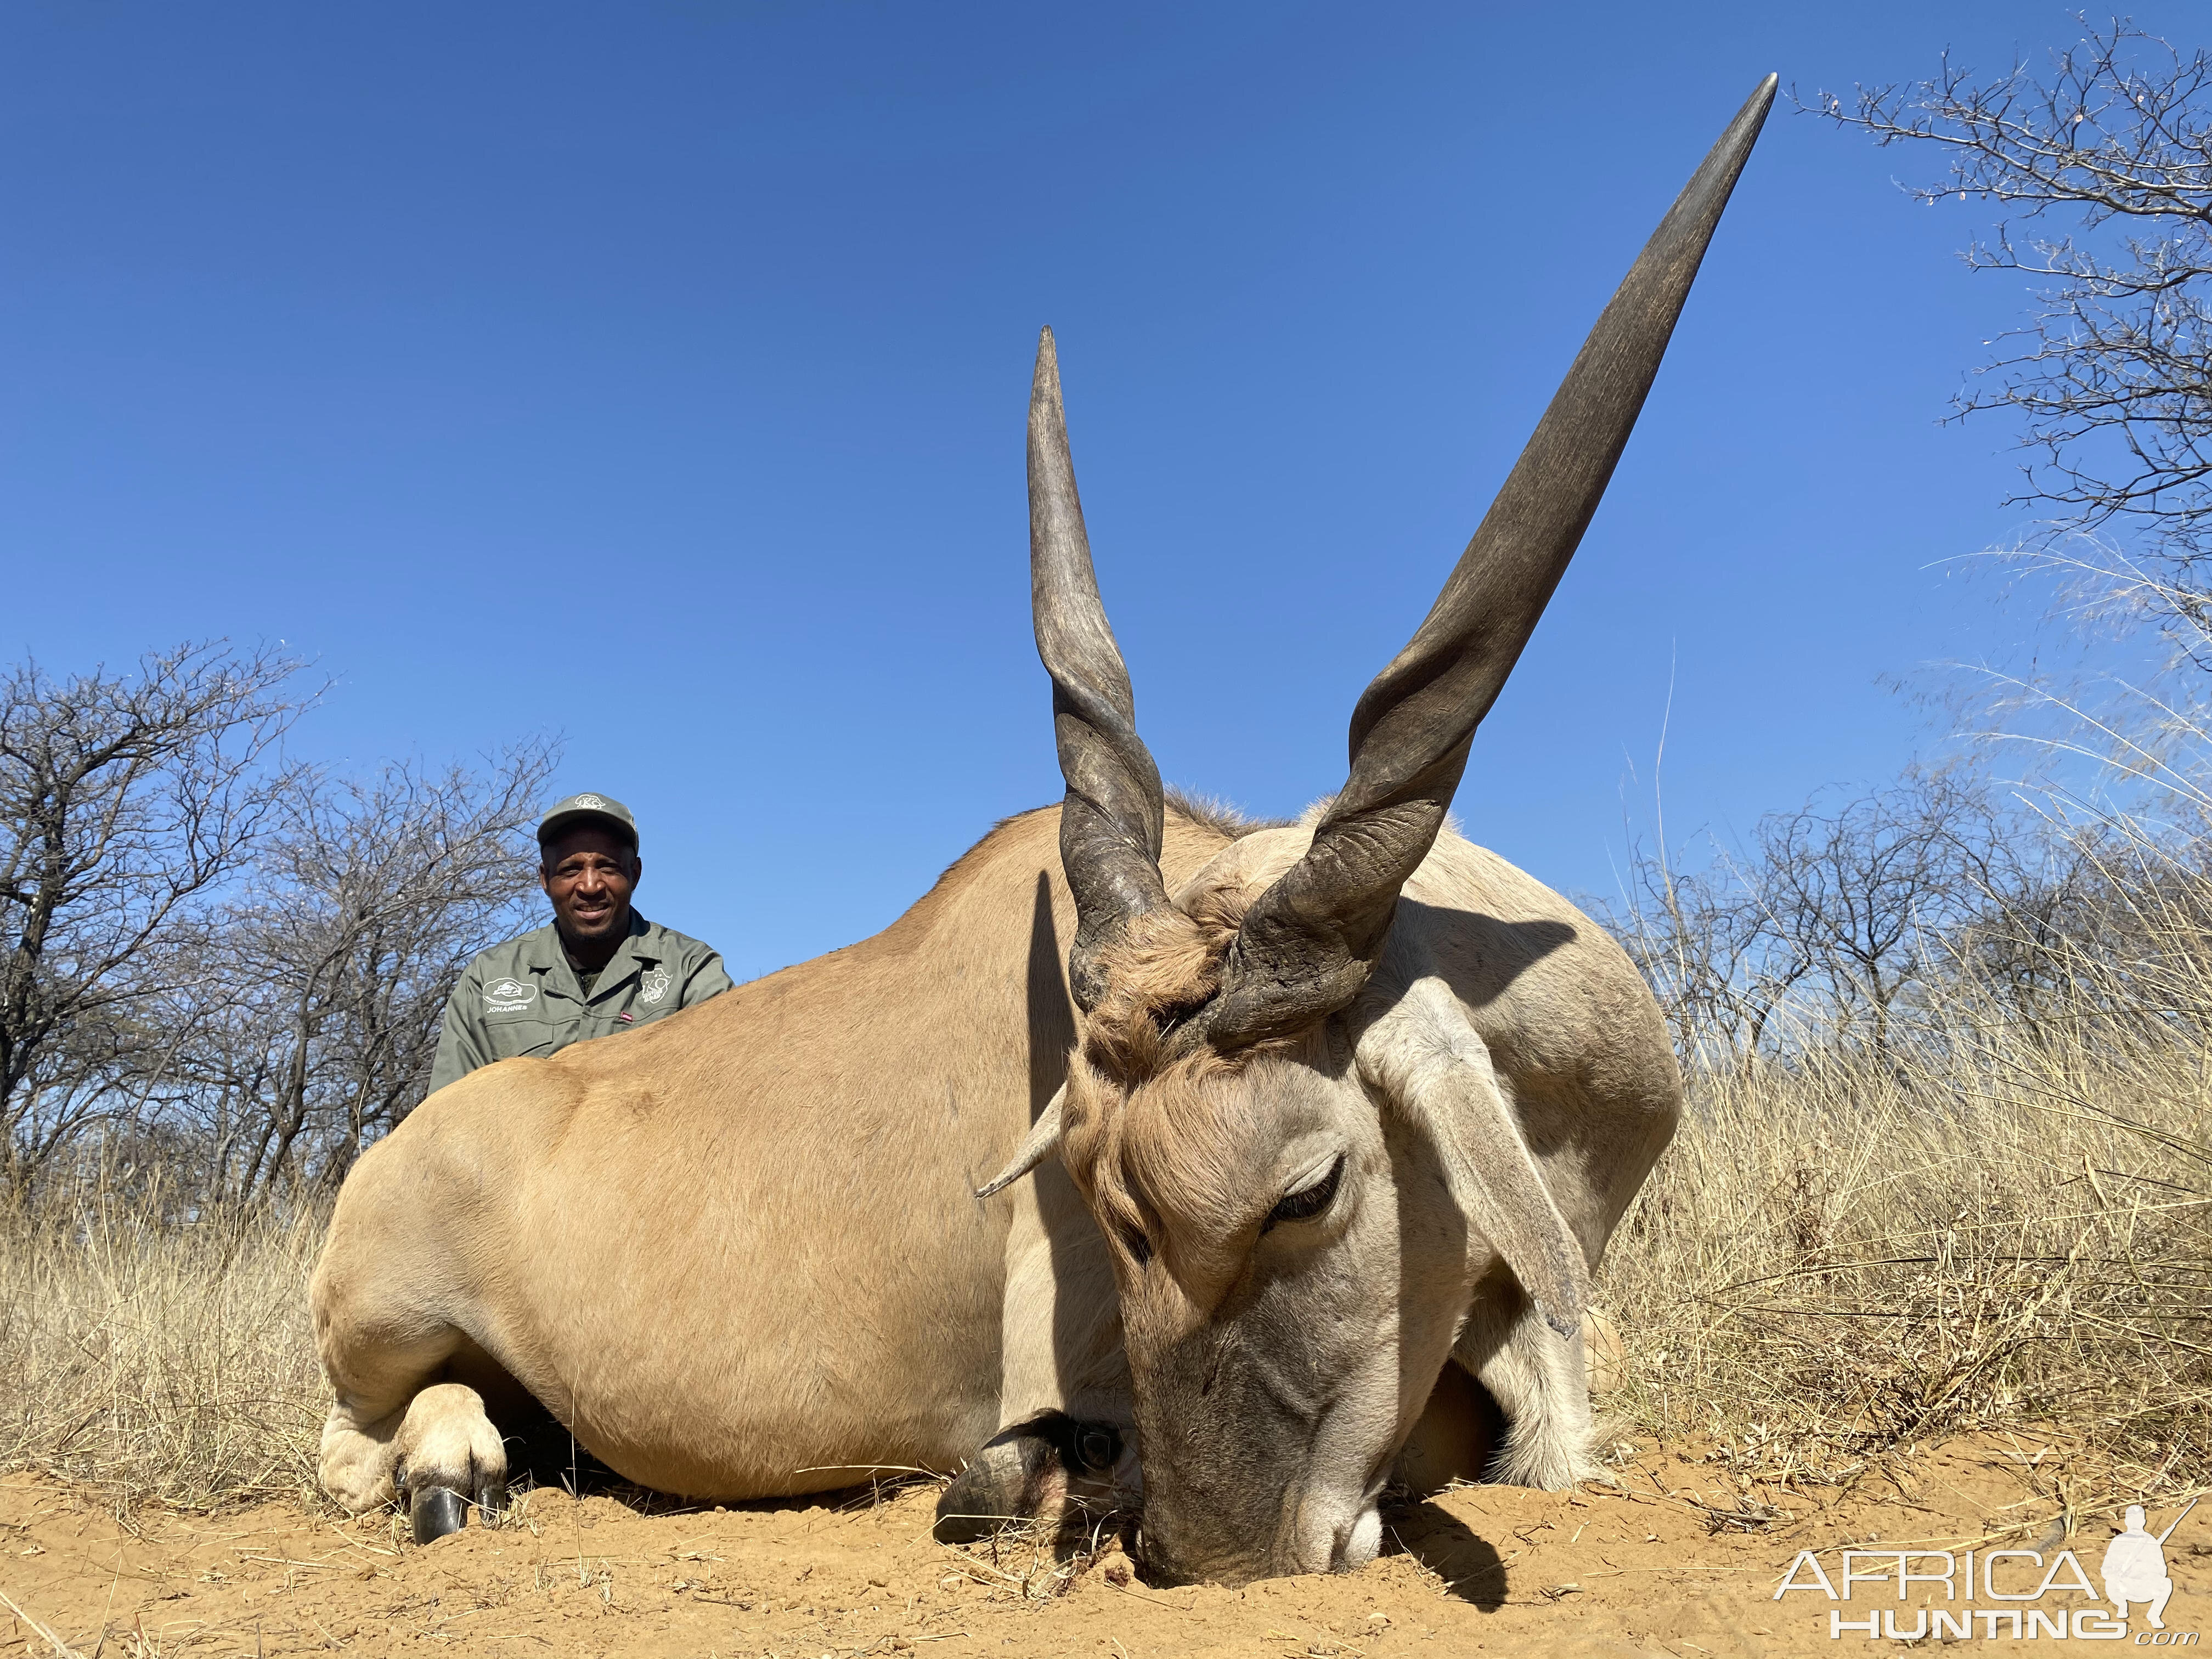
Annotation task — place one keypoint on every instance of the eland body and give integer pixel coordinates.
(1313, 1120)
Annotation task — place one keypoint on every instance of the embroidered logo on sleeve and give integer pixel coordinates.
(509, 996)
(652, 985)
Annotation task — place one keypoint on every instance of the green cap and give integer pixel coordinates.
(604, 810)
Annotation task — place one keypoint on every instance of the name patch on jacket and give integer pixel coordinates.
(509, 996)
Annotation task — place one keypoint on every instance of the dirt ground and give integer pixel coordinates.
(1681, 1557)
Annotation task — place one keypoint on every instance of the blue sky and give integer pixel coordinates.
(655, 375)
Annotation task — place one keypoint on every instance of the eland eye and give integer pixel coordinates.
(1309, 1201)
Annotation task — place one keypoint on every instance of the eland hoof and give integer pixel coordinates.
(1092, 1448)
(437, 1510)
(971, 1509)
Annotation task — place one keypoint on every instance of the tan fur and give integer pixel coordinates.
(1507, 1054)
(1577, 1018)
(735, 1251)
(1209, 812)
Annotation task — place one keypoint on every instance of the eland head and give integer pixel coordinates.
(1303, 1166)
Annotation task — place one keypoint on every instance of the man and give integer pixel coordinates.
(600, 969)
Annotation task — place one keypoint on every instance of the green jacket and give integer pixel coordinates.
(523, 998)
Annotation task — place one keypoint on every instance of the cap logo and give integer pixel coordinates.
(592, 801)
(509, 996)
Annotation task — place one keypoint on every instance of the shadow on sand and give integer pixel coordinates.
(1470, 1567)
(543, 1456)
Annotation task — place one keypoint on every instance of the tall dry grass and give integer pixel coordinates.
(156, 1357)
(1838, 1257)
(2001, 1220)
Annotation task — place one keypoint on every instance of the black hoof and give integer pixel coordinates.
(1092, 1448)
(970, 1510)
(437, 1510)
(491, 1499)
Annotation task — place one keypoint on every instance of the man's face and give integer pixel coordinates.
(589, 874)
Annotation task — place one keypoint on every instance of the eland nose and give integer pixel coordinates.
(1167, 1560)
(1160, 1559)
(1360, 1543)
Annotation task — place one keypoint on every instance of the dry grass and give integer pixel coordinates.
(155, 1359)
(1845, 1253)
(1836, 1260)
(1999, 1223)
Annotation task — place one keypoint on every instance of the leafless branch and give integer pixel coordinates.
(2102, 169)
(127, 803)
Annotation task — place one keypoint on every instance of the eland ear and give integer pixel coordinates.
(1429, 1062)
(1043, 1140)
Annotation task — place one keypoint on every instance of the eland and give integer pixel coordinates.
(1319, 1122)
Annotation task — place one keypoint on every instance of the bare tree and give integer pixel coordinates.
(1706, 947)
(322, 1000)
(127, 803)
(1863, 899)
(1831, 921)
(2102, 171)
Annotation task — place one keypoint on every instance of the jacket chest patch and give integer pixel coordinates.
(652, 985)
(509, 996)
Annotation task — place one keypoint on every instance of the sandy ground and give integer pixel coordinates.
(1649, 1567)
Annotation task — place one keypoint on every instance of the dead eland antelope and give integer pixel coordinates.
(1343, 1113)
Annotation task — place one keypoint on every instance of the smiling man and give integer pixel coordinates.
(600, 968)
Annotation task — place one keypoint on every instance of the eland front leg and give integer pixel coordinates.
(402, 1428)
(434, 1450)
(1541, 1382)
